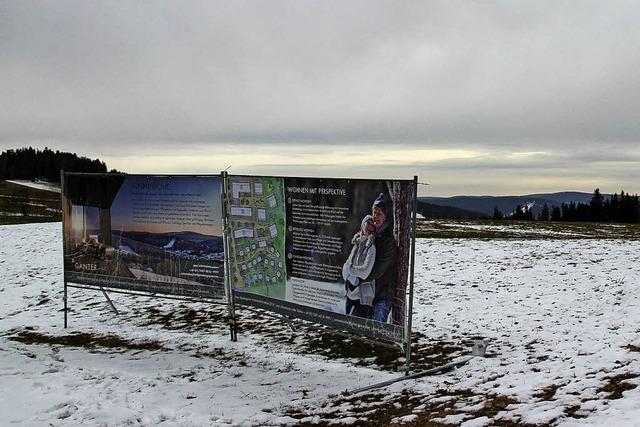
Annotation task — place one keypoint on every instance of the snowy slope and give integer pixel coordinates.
(37, 185)
(562, 317)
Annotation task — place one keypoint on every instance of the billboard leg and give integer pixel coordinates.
(113, 307)
(233, 325)
(234, 319)
(231, 306)
(65, 309)
(63, 205)
(411, 272)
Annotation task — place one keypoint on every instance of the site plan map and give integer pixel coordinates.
(257, 231)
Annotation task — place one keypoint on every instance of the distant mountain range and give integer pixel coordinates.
(469, 207)
(176, 241)
(431, 210)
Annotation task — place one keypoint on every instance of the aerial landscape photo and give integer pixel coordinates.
(305, 213)
(158, 229)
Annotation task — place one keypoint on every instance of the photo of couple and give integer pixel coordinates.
(370, 271)
(348, 253)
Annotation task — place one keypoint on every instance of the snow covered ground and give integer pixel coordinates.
(562, 318)
(503, 229)
(40, 185)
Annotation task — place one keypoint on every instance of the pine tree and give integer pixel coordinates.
(29, 163)
(497, 213)
(596, 206)
(528, 213)
(522, 213)
(517, 213)
(544, 213)
(614, 208)
(583, 212)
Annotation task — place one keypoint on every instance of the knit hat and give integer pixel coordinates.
(381, 203)
(366, 219)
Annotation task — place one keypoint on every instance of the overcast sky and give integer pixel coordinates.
(474, 97)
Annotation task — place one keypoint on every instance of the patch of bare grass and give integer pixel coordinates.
(84, 340)
(617, 385)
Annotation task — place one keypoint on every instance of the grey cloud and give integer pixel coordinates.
(130, 77)
(427, 72)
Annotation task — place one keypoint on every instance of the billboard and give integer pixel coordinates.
(155, 234)
(331, 251)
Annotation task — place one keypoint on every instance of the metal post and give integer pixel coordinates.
(65, 304)
(64, 245)
(478, 350)
(413, 261)
(436, 370)
(227, 272)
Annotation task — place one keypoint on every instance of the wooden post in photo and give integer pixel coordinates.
(402, 194)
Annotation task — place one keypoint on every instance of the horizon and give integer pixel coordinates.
(531, 194)
(421, 185)
(474, 99)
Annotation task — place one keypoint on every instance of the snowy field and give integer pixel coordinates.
(40, 185)
(509, 229)
(562, 318)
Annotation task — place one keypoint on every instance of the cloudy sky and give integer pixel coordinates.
(495, 97)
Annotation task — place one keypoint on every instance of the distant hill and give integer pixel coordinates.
(31, 164)
(484, 205)
(564, 197)
(430, 210)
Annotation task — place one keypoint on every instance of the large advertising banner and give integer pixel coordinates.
(332, 251)
(155, 234)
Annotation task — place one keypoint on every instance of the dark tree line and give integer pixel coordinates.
(31, 164)
(622, 207)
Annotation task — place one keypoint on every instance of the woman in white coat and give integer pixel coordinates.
(360, 294)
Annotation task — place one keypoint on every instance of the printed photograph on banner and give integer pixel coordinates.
(132, 232)
(347, 246)
(255, 207)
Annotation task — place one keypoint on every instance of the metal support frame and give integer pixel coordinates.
(65, 309)
(436, 370)
(233, 325)
(409, 312)
(113, 307)
(67, 285)
(292, 322)
(289, 321)
(369, 341)
(231, 303)
(478, 350)
(404, 346)
(148, 294)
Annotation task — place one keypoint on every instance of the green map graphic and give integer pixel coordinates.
(257, 233)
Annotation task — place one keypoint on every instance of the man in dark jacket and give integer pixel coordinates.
(384, 267)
